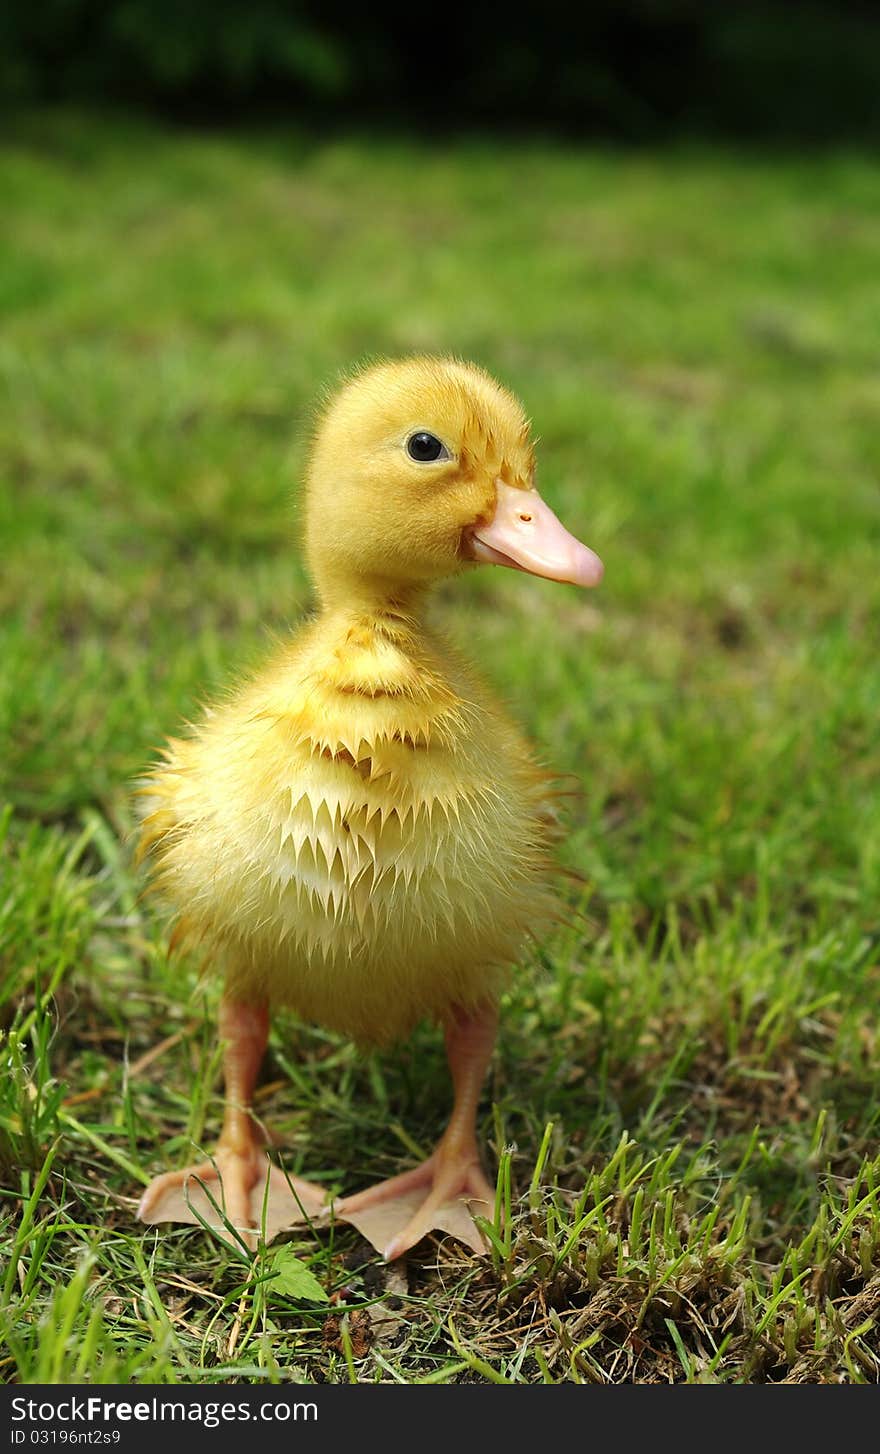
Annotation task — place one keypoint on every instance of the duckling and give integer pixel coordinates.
(360, 833)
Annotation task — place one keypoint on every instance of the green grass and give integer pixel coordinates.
(684, 1105)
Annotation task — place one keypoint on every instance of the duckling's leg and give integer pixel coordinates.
(236, 1174)
(394, 1215)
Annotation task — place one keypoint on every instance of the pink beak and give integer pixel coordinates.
(525, 534)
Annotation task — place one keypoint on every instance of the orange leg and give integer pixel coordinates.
(394, 1215)
(237, 1173)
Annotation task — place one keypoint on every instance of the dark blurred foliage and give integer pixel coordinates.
(628, 68)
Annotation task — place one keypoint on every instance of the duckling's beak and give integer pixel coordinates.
(525, 534)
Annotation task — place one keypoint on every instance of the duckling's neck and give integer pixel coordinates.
(367, 599)
(389, 633)
(370, 671)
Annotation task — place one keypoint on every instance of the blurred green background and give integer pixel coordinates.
(693, 321)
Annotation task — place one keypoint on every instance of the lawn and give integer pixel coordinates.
(684, 1107)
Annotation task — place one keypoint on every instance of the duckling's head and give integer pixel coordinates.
(419, 467)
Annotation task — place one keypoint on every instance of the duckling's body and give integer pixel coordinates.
(360, 833)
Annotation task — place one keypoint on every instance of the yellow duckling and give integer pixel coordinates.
(360, 833)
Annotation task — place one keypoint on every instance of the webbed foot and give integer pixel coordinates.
(236, 1180)
(439, 1195)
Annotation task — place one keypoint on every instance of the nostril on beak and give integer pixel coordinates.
(526, 519)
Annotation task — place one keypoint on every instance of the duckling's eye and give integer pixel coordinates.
(426, 447)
